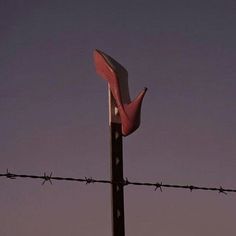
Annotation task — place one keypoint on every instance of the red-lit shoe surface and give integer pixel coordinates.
(117, 77)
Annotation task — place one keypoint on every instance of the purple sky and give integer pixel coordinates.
(54, 115)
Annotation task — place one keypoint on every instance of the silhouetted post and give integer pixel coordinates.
(118, 221)
(124, 119)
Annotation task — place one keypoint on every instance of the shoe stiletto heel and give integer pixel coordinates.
(117, 77)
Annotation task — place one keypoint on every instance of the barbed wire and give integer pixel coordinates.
(125, 182)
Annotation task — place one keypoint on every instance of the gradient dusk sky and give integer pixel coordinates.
(54, 115)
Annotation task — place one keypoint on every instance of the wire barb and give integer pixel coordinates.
(89, 180)
(158, 185)
(126, 182)
(191, 188)
(221, 190)
(10, 175)
(47, 178)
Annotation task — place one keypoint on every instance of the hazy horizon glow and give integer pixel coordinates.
(54, 115)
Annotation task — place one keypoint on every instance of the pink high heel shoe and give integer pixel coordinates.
(117, 77)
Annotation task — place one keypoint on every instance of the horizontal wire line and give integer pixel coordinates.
(156, 185)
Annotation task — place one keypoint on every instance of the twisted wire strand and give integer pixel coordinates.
(125, 182)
